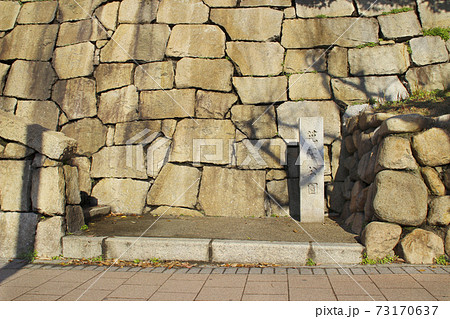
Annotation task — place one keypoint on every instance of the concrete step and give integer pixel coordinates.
(211, 250)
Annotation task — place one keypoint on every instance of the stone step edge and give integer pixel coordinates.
(212, 250)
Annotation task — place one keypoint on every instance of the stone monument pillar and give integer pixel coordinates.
(311, 166)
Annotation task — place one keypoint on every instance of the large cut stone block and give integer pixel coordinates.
(433, 181)
(191, 73)
(44, 113)
(119, 105)
(23, 77)
(430, 77)
(400, 198)
(255, 121)
(158, 155)
(72, 189)
(144, 42)
(154, 76)
(365, 61)
(257, 58)
(203, 141)
(264, 3)
(74, 60)
(262, 153)
(141, 132)
(48, 193)
(428, 50)
(49, 234)
(138, 11)
(68, 10)
(290, 112)
(80, 32)
(125, 196)
(220, 3)
(167, 104)
(175, 186)
(4, 68)
(213, 104)
(182, 11)
(29, 42)
(8, 14)
(432, 147)
(345, 32)
(232, 193)
(15, 185)
(74, 218)
(119, 161)
(380, 239)
(309, 86)
(76, 97)
(254, 24)
(206, 41)
(84, 178)
(395, 153)
(311, 8)
(52, 144)
(113, 75)
(37, 12)
(311, 60)
(434, 13)
(256, 90)
(369, 8)
(338, 62)
(400, 25)
(17, 231)
(89, 133)
(421, 247)
(82, 246)
(439, 213)
(107, 14)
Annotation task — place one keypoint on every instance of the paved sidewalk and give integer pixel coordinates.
(381, 283)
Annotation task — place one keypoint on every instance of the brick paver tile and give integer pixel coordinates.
(267, 271)
(349, 278)
(437, 288)
(305, 281)
(360, 298)
(230, 270)
(319, 271)
(188, 276)
(10, 293)
(358, 271)
(443, 298)
(123, 299)
(83, 295)
(308, 294)
(54, 287)
(432, 277)
(76, 276)
(265, 298)
(147, 269)
(220, 294)
(226, 280)
(192, 286)
(332, 271)
(148, 279)
(179, 271)
(102, 284)
(255, 271)
(123, 269)
(27, 281)
(411, 270)
(403, 294)
(170, 271)
(355, 288)
(116, 275)
(424, 270)
(293, 271)
(281, 278)
(217, 270)
(394, 281)
(194, 270)
(306, 271)
(397, 270)
(371, 271)
(206, 271)
(133, 292)
(29, 297)
(10, 274)
(172, 296)
(438, 270)
(384, 270)
(266, 288)
(242, 271)
(280, 271)
(344, 271)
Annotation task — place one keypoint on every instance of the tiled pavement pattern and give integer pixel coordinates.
(392, 283)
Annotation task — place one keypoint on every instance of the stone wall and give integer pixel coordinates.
(399, 184)
(194, 104)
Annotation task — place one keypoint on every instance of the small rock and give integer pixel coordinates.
(395, 153)
(158, 155)
(434, 183)
(421, 247)
(439, 214)
(380, 239)
(405, 123)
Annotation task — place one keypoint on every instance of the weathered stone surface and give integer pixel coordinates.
(74, 60)
(15, 151)
(168, 127)
(369, 9)
(364, 61)
(154, 76)
(68, 10)
(231, 192)
(119, 161)
(15, 185)
(43, 161)
(262, 153)
(138, 11)
(17, 232)
(263, 3)
(37, 12)
(191, 73)
(48, 191)
(8, 14)
(158, 155)
(29, 42)
(207, 41)
(125, 196)
(434, 13)
(305, 61)
(49, 233)
(167, 104)
(182, 11)
(76, 97)
(221, 3)
(432, 147)
(80, 31)
(366, 166)
(358, 223)
(433, 181)
(8, 104)
(175, 186)
(439, 214)
(395, 153)
(119, 105)
(289, 13)
(23, 77)
(349, 145)
(257, 58)
(44, 113)
(203, 140)
(95, 211)
(143, 42)
(290, 112)
(405, 123)
(72, 189)
(338, 154)
(428, 50)
(380, 239)
(356, 204)
(400, 198)
(368, 119)
(276, 174)
(401, 25)
(52, 144)
(255, 24)
(334, 196)
(84, 178)
(430, 77)
(107, 14)
(278, 198)
(4, 68)
(361, 89)
(309, 86)
(311, 8)
(113, 75)
(255, 90)
(89, 133)
(421, 247)
(175, 212)
(213, 104)
(255, 121)
(142, 132)
(339, 31)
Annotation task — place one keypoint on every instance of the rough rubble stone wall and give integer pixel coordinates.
(397, 194)
(169, 99)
